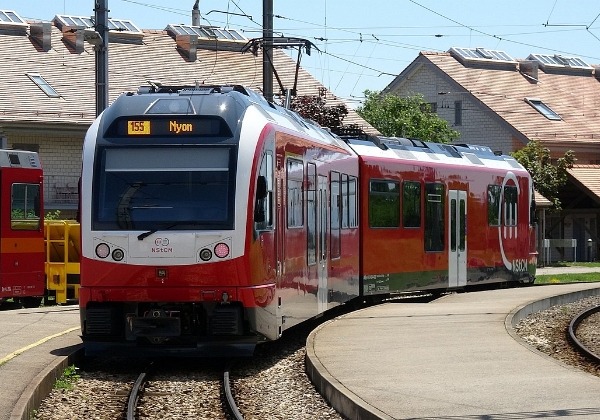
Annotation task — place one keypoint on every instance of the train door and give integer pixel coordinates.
(322, 235)
(457, 254)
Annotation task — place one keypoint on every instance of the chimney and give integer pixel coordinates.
(41, 33)
(530, 69)
(188, 45)
(73, 35)
(196, 14)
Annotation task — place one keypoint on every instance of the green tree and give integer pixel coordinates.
(547, 177)
(411, 117)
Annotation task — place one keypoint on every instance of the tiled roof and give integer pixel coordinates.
(588, 176)
(131, 65)
(503, 88)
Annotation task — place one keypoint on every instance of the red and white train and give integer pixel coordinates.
(212, 220)
(22, 257)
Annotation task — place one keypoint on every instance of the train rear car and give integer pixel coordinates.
(21, 228)
(211, 221)
(442, 217)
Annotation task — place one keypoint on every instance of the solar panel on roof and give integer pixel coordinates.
(8, 16)
(481, 54)
(120, 25)
(206, 32)
(559, 61)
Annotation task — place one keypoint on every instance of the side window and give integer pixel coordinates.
(311, 213)
(434, 217)
(493, 195)
(411, 204)
(384, 204)
(510, 205)
(336, 212)
(349, 202)
(295, 175)
(263, 208)
(25, 207)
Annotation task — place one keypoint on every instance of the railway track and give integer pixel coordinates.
(179, 391)
(585, 335)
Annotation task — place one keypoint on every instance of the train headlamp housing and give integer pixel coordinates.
(118, 254)
(221, 250)
(102, 250)
(205, 254)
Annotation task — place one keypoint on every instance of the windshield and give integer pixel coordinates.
(155, 188)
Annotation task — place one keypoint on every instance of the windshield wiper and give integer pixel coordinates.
(141, 236)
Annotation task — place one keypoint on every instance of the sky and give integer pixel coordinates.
(364, 45)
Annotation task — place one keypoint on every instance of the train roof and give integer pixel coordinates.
(10, 158)
(415, 151)
(228, 102)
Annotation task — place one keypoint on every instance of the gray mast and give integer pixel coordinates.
(268, 49)
(101, 15)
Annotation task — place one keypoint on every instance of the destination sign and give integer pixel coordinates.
(170, 127)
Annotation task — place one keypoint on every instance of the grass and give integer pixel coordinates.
(67, 379)
(570, 277)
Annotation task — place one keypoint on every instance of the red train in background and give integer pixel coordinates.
(212, 220)
(22, 256)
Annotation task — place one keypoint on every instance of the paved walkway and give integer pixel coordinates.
(454, 358)
(34, 345)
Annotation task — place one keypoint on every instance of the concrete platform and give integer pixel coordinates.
(35, 347)
(454, 358)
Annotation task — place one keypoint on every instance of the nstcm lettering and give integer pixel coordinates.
(162, 249)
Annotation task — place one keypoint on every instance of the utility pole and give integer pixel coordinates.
(101, 20)
(268, 49)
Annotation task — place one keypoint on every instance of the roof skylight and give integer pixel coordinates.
(543, 109)
(481, 54)
(44, 85)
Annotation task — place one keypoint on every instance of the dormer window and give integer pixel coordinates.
(543, 109)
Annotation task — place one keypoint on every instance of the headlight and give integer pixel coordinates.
(205, 254)
(118, 254)
(221, 250)
(102, 250)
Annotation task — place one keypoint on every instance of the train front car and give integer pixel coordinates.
(443, 217)
(22, 228)
(186, 223)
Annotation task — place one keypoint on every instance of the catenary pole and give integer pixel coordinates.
(268, 49)
(101, 15)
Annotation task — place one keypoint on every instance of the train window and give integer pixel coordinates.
(510, 205)
(411, 204)
(295, 205)
(25, 207)
(148, 188)
(349, 202)
(384, 204)
(434, 217)
(263, 209)
(336, 211)
(494, 204)
(311, 213)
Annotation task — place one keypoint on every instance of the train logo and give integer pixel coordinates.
(508, 227)
(161, 242)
